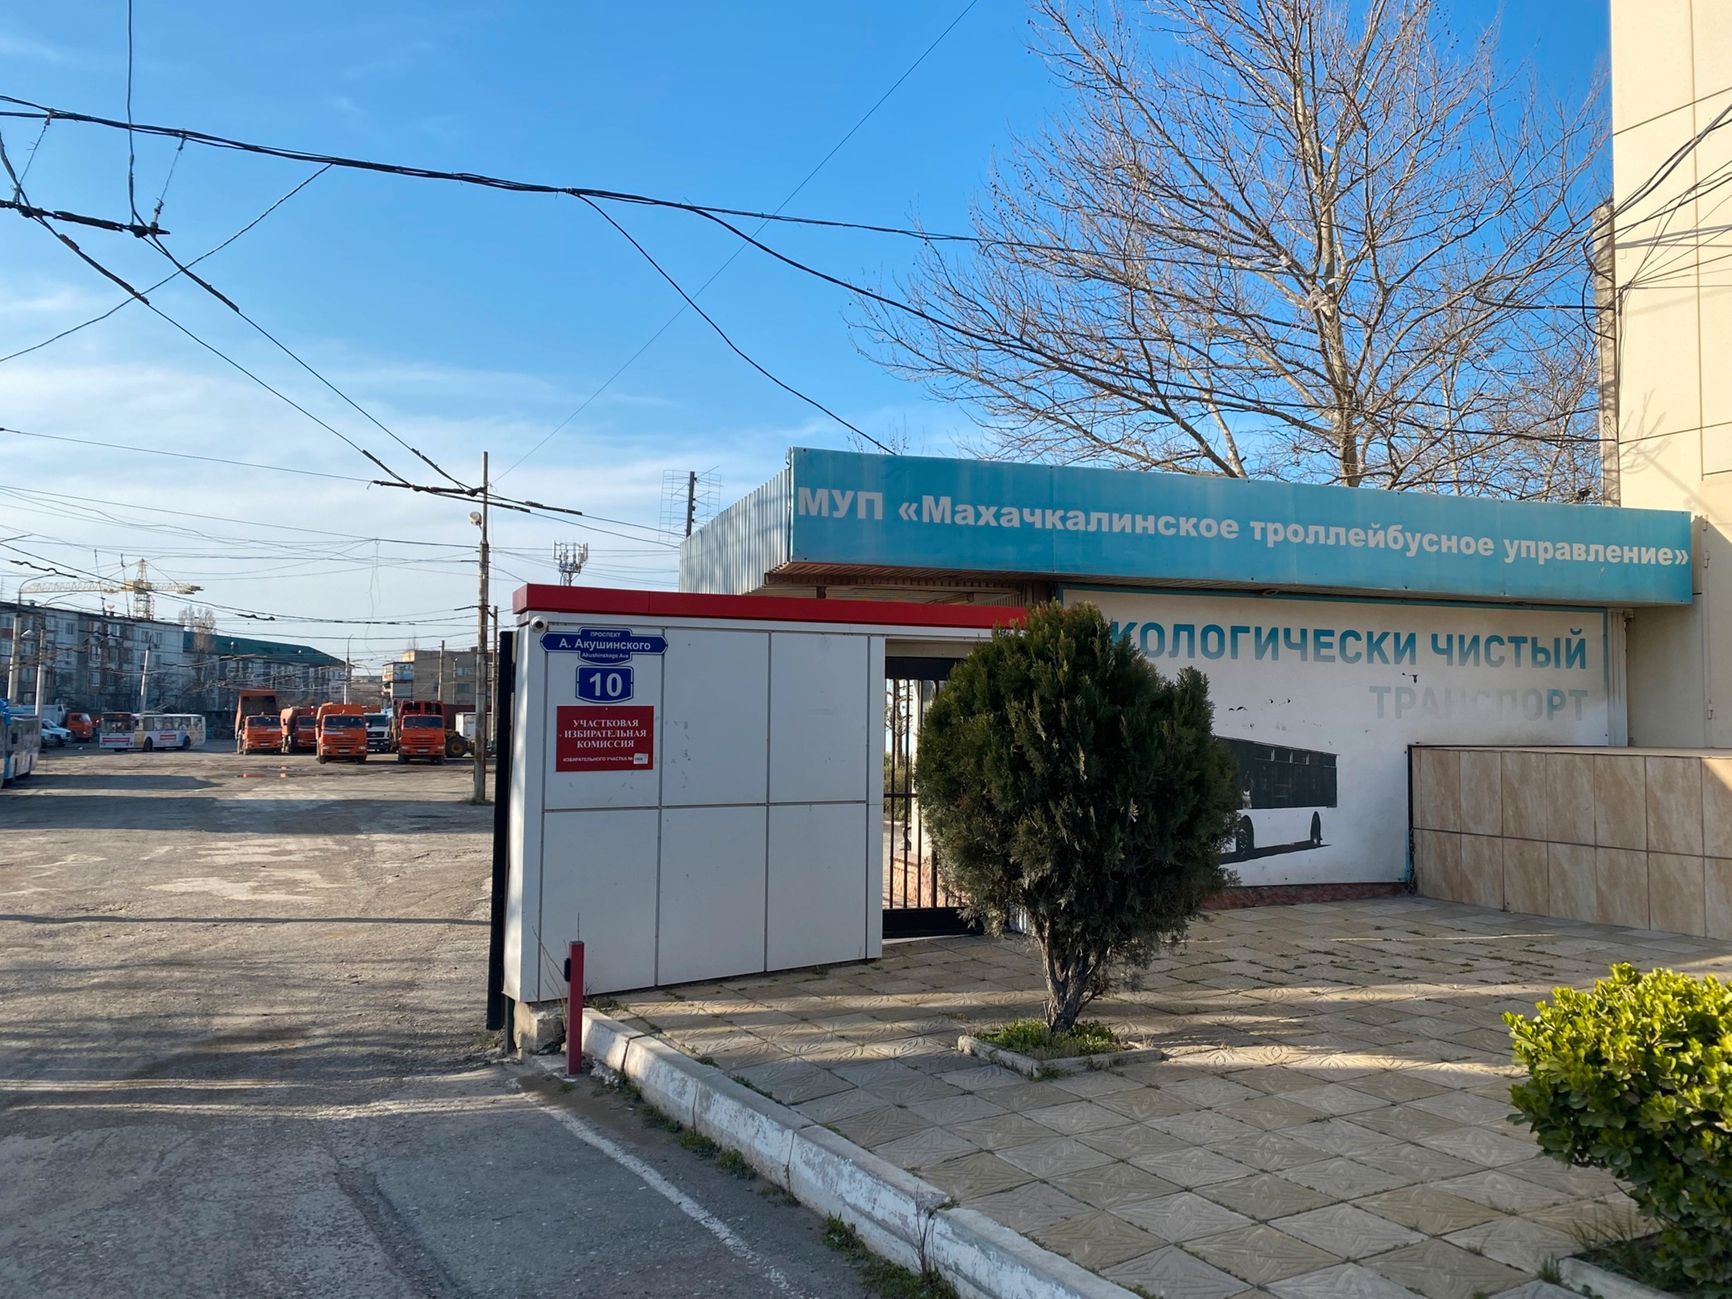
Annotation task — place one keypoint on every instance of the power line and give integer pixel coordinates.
(461, 489)
(6, 162)
(131, 153)
(30, 161)
(536, 508)
(75, 218)
(1167, 388)
(238, 611)
(224, 518)
(740, 248)
(721, 333)
(128, 301)
(37, 112)
(186, 455)
(294, 356)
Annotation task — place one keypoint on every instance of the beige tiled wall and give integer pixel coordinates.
(1618, 836)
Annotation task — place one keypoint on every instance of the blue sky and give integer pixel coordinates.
(469, 320)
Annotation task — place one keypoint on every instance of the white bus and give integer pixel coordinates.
(20, 743)
(168, 731)
(1283, 794)
(115, 732)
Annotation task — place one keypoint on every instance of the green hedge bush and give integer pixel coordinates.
(1635, 1077)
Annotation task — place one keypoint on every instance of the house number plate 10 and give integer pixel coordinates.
(604, 685)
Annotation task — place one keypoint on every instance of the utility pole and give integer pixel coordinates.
(144, 684)
(17, 651)
(439, 681)
(42, 653)
(480, 521)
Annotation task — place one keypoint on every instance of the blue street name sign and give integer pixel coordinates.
(603, 645)
(604, 685)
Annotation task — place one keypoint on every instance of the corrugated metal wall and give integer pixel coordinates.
(731, 553)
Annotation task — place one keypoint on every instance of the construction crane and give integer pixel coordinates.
(139, 588)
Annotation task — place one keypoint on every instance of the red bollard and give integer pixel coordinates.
(574, 1012)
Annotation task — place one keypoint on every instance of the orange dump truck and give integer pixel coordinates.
(255, 703)
(260, 733)
(421, 735)
(300, 730)
(341, 732)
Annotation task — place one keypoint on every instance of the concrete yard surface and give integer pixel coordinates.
(242, 1051)
(1332, 1117)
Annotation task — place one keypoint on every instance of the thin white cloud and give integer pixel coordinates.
(16, 46)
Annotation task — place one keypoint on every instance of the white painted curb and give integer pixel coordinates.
(897, 1215)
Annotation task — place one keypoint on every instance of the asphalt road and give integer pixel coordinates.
(242, 1052)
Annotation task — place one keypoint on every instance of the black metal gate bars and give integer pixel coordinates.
(915, 899)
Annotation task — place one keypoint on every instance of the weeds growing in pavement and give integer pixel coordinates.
(699, 1144)
(734, 1164)
(884, 1278)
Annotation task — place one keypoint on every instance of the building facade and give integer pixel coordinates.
(439, 673)
(102, 662)
(95, 661)
(1671, 385)
(1337, 627)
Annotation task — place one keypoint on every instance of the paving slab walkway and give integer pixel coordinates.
(1331, 1120)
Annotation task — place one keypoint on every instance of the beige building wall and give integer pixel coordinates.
(1637, 837)
(1672, 192)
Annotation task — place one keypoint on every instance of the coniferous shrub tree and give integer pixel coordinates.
(1064, 779)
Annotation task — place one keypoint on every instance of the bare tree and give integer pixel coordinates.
(1290, 238)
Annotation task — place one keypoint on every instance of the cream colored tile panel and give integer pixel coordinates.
(1654, 67)
(1659, 473)
(1717, 899)
(1717, 806)
(1437, 789)
(1711, 36)
(1716, 333)
(1570, 880)
(1437, 864)
(1524, 795)
(1674, 800)
(1661, 368)
(1717, 437)
(1621, 887)
(1482, 870)
(1676, 898)
(1482, 792)
(1620, 803)
(1525, 886)
(1569, 798)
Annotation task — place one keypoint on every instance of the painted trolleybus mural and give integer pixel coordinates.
(1283, 794)
(1318, 701)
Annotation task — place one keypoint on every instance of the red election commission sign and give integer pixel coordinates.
(604, 739)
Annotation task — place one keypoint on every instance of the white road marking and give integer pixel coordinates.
(680, 1200)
